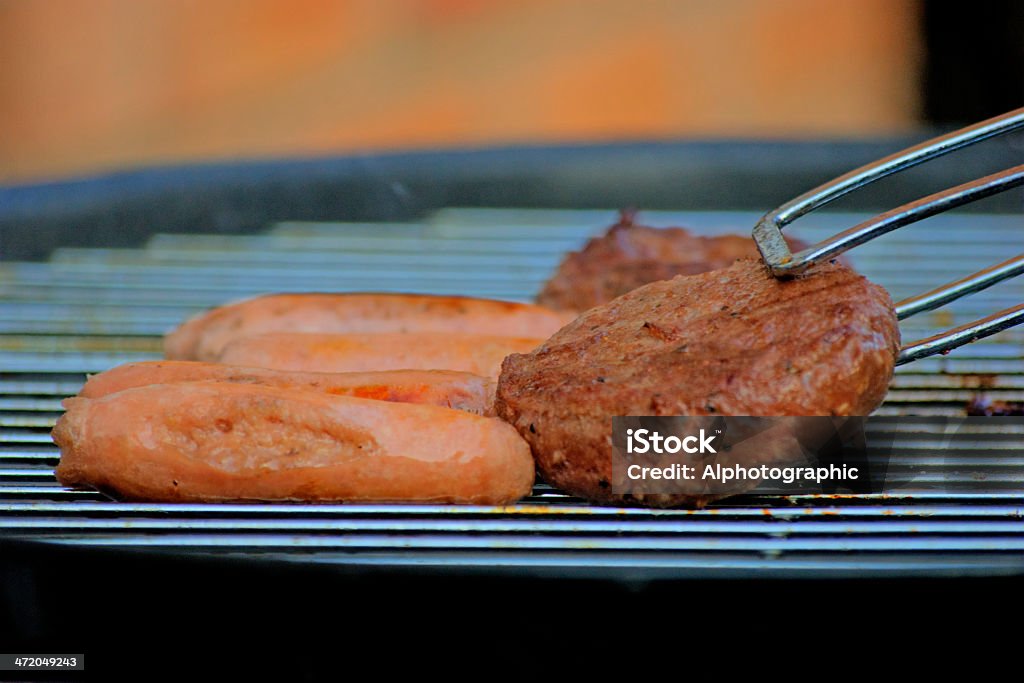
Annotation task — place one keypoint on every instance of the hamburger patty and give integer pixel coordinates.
(735, 341)
(630, 256)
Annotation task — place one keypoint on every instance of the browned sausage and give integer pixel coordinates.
(478, 354)
(460, 390)
(221, 441)
(203, 337)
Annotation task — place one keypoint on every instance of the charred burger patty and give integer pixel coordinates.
(735, 341)
(628, 256)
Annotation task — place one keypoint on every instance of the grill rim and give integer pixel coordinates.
(123, 208)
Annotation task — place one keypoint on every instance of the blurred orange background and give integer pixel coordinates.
(92, 85)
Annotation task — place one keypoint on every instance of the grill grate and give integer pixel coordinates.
(89, 309)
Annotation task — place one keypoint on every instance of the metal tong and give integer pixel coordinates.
(784, 263)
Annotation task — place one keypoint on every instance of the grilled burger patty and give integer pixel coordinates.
(630, 256)
(735, 341)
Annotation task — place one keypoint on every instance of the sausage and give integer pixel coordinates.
(204, 336)
(478, 354)
(459, 390)
(223, 441)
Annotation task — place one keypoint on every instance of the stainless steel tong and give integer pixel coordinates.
(785, 263)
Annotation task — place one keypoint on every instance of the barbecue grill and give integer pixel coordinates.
(95, 271)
